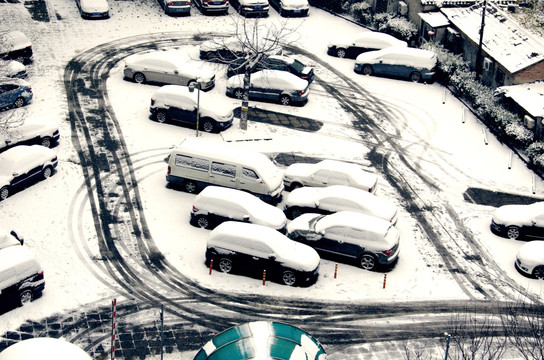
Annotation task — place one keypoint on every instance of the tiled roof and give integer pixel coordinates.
(514, 47)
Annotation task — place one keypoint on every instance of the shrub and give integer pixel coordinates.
(361, 12)
(535, 151)
(396, 26)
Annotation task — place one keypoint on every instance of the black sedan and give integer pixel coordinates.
(519, 221)
(274, 62)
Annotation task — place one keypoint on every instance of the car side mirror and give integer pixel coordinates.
(15, 174)
(317, 204)
(246, 218)
(176, 71)
(272, 257)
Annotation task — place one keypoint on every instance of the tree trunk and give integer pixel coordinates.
(245, 101)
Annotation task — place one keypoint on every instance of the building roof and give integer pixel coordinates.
(529, 96)
(434, 19)
(514, 47)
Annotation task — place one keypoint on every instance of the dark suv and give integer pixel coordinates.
(275, 62)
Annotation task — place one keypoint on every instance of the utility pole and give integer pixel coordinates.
(479, 53)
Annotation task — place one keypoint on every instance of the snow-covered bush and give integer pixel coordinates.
(396, 26)
(535, 151)
(447, 61)
(362, 12)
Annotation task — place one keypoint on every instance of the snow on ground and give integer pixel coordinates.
(52, 213)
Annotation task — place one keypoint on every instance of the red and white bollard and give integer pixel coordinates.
(211, 266)
(335, 270)
(264, 277)
(384, 280)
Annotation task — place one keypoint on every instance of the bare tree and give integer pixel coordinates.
(524, 324)
(252, 42)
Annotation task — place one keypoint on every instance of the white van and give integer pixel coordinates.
(21, 276)
(197, 163)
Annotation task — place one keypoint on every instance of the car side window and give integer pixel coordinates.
(261, 250)
(223, 169)
(249, 174)
(337, 178)
(191, 162)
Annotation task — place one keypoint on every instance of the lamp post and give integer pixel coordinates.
(480, 44)
(448, 337)
(192, 87)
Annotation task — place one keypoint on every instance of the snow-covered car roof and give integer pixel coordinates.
(44, 349)
(219, 196)
(295, 2)
(406, 55)
(12, 68)
(20, 82)
(354, 220)
(13, 40)
(244, 237)
(517, 214)
(17, 263)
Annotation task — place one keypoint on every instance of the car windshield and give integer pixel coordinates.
(297, 66)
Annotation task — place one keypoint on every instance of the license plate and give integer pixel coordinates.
(96, 14)
(297, 11)
(258, 7)
(217, 2)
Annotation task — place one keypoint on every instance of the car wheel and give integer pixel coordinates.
(367, 70)
(294, 212)
(190, 186)
(239, 94)
(46, 172)
(289, 278)
(18, 102)
(285, 100)
(415, 76)
(25, 297)
(4, 193)
(208, 126)
(538, 272)
(225, 265)
(367, 262)
(139, 78)
(512, 232)
(203, 222)
(46, 142)
(161, 116)
(341, 53)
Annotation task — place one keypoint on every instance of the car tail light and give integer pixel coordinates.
(169, 170)
(301, 92)
(388, 252)
(195, 209)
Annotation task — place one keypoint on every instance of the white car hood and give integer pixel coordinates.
(342, 41)
(298, 170)
(94, 6)
(532, 252)
(304, 196)
(299, 257)
(301, 223)
(270, 216)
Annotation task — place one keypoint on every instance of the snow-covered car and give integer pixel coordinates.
(239, 247)
(14, 93)
(174, 103)
(274, 62)
(335, 198)
(12, 69)
(32, 131)
(365, 240)
(10, 238)
(166, 67)
(225, 50)
(251, 7)
(398, 62)
(519, 221)
(25, 164)
(15, 45)
(352, 46)
(216, 204)
(329, 172)
(291, 7)
(176, 7)
(530, 259)
(271, 85)
(21, 276)
(93, 9)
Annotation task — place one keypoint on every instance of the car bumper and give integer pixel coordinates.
(95, 15)
(207, 85)
(294, 12)
(523, 267)
(178, 10)
(250, 10)
(497, 229)
(215, 8)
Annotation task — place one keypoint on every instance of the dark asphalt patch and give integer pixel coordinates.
(497, 198)
(37, 10)
(279, 119)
